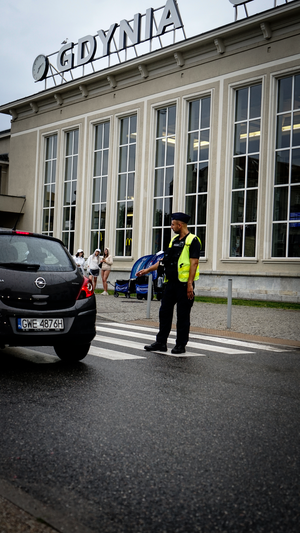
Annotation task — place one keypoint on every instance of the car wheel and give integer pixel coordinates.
(71, 353)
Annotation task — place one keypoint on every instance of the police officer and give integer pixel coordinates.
(181, 263)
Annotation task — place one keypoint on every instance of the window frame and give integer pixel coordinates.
(164, 228)
(100, 232)
(196, 227)
(247, 85)
(276, 187)
(127, 230)
(68, 234)
(52, 184)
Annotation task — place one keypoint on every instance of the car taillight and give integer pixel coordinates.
(86, 290)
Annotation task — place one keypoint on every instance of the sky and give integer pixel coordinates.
(32, 27)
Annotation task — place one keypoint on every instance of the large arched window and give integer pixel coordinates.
(164, 177)
(286, 207)
(246, 158)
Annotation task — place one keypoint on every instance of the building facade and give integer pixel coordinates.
(209, 125)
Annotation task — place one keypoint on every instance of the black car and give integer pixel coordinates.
(44, 298)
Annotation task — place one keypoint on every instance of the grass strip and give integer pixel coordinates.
(249, 303)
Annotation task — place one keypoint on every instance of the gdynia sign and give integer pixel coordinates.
(87, 46)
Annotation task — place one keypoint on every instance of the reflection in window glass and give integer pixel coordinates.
(163, 177)
(295, 170)
(237, 207)
(282, 165)
(297, 92)
(240, 138)
(100, 176)
(286, 206)
(283, 131)
(197, 167)
(126, 178)
(279, 240)
(241, 104)
(245, 173)
(296, 129)
(49, 185)
(250, 240)
(251, 205)
(239, 172)
(285, 94)
(280, 203)
(194, 115)
(255, 101)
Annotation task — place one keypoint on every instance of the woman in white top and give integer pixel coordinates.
(79, 259)
(93, 265)
(106, 267)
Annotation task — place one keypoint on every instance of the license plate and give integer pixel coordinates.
(40, 324)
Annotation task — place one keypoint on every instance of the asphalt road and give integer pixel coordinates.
(203, 443)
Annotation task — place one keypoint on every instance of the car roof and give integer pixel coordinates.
(8, 231)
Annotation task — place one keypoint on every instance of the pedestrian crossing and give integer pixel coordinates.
(114, 334)
(120, 342)
(130, 334)
(223, 340)
(112, 354)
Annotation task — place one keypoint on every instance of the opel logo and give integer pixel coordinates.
(40, 283)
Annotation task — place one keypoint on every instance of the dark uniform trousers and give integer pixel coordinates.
(175, 292)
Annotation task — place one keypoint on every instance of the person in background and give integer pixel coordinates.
(106, 262)
(93, 265)
(79, 259)
(181, 263)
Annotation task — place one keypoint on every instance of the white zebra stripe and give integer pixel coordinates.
(202, 346)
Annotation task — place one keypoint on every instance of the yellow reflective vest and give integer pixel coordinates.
(184, 259)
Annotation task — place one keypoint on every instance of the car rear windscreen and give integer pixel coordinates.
(29, 251)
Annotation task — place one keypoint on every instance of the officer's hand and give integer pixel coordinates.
(190, 291)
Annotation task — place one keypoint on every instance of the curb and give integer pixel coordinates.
(43, 514)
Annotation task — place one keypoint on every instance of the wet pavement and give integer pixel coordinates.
(276, 326)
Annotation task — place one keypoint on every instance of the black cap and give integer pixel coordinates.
(183, 217)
